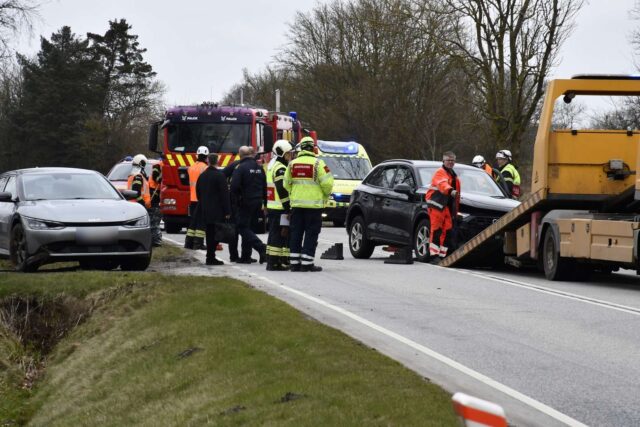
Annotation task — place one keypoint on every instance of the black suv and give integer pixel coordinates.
(389, 207)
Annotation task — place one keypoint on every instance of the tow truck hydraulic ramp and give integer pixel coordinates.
(585, 195)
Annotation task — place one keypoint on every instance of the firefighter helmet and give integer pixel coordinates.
(139, 160)
(306, 144)
(281, 147)
(478, 161)
(202, 151)
(503, 154)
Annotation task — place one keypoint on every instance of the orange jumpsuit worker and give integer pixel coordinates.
(443, 200)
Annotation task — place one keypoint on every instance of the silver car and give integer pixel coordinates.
(63, 214)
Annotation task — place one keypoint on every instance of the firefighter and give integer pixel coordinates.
(443, 200)
(309, 183)
(278, 207)
(154, 213)
(249, 188)
(509, 173)
(479, 162)
(197, 229)
(138, 181)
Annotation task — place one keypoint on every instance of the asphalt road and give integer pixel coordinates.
(550, 353)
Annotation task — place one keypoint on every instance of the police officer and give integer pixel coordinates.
(137, 181)
(278, 207)
(309, 183)
(249, 187)
(509, 173)
(154, 213)
(443, 201)
(196, 230)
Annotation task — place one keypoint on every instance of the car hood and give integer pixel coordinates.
(82, 211)
(481, 201)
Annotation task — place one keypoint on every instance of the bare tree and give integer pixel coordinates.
(507, 48)
(15, 16)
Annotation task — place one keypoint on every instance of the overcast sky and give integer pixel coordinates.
(199, 47)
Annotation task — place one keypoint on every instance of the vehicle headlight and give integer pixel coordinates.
(41, 224)
(141, 222)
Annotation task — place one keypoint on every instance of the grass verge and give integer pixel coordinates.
(160, 350)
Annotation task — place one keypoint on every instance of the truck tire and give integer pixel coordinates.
(359, 246)
(172, 227)
(555, 267)
(421, 241)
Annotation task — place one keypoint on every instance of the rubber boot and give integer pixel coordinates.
(310, 268)
(188, 242)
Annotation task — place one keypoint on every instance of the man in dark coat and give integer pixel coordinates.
(249, 187)
(213, 196)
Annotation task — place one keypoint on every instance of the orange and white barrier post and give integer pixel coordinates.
(476, 412)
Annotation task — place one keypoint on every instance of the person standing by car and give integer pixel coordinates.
(509, 173)
(154, 213)
(443, 200)
(196, 229)
(481, 163)
(309, 183)
(233, 245)
(138, 181)
(249, 186)
(214, 204)
(278, 206)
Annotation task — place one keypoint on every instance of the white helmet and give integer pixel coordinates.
(281, 147)
(503, 154)
(139, 160)
(478, 161)
(202, 150)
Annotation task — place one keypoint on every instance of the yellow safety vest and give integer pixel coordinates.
(308, 181)
(273, 198)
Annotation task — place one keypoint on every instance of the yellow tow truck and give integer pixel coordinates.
(583, 211)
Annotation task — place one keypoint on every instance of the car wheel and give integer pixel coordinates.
(359, 245)
(19, 253)
(338, 223)
(172, 227)
(555, 267)
(137, 263)
(421, 241)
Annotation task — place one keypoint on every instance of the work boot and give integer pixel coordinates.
(246, 260)
(214, 261)
(263, 256)
(294, 267)
(198, 244)
(188, 242)
(310, 267)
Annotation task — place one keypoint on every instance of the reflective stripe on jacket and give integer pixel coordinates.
(194, 173)
(442, 183)
(308, 181)
(275, 178)
(144, 198)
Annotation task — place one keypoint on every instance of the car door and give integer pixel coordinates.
(397, 210)
(6, 213)
(377, 186)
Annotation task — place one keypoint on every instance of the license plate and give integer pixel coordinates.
(97, 235)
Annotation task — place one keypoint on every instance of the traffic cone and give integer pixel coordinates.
(474, 412)
(403, 255)
(334, 252)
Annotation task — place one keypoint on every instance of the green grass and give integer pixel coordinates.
(122, 366)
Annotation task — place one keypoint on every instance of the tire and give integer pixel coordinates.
(359, 246)
(421, 241)
(18, 251)
(172, 227)
(138, 263)
(555, 267)
(338, 222)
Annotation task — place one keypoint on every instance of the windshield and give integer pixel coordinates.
(121, 171)
(347, 167)
(217, 137)
(474, 181)
(67, 185)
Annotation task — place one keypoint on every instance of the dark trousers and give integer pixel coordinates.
(196, 221)
(277, 243)
(305, 229)
(211, 241)
(246, 213)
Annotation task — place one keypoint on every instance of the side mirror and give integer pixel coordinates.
(5, 196)
(153, 137)
(403, 189)
(129, 194)
(268, 138)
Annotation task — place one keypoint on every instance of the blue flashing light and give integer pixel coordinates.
(293, 115)
(128, 159)
(338, 147)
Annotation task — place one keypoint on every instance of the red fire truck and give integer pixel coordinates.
(222, 129)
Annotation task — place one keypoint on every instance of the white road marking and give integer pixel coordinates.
(435, 355)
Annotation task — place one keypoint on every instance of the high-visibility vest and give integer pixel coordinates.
(144, 191)
(308, 181)
(514, 179)
(438, 194)
(194, 173)
(273, 198)
(488, 169)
